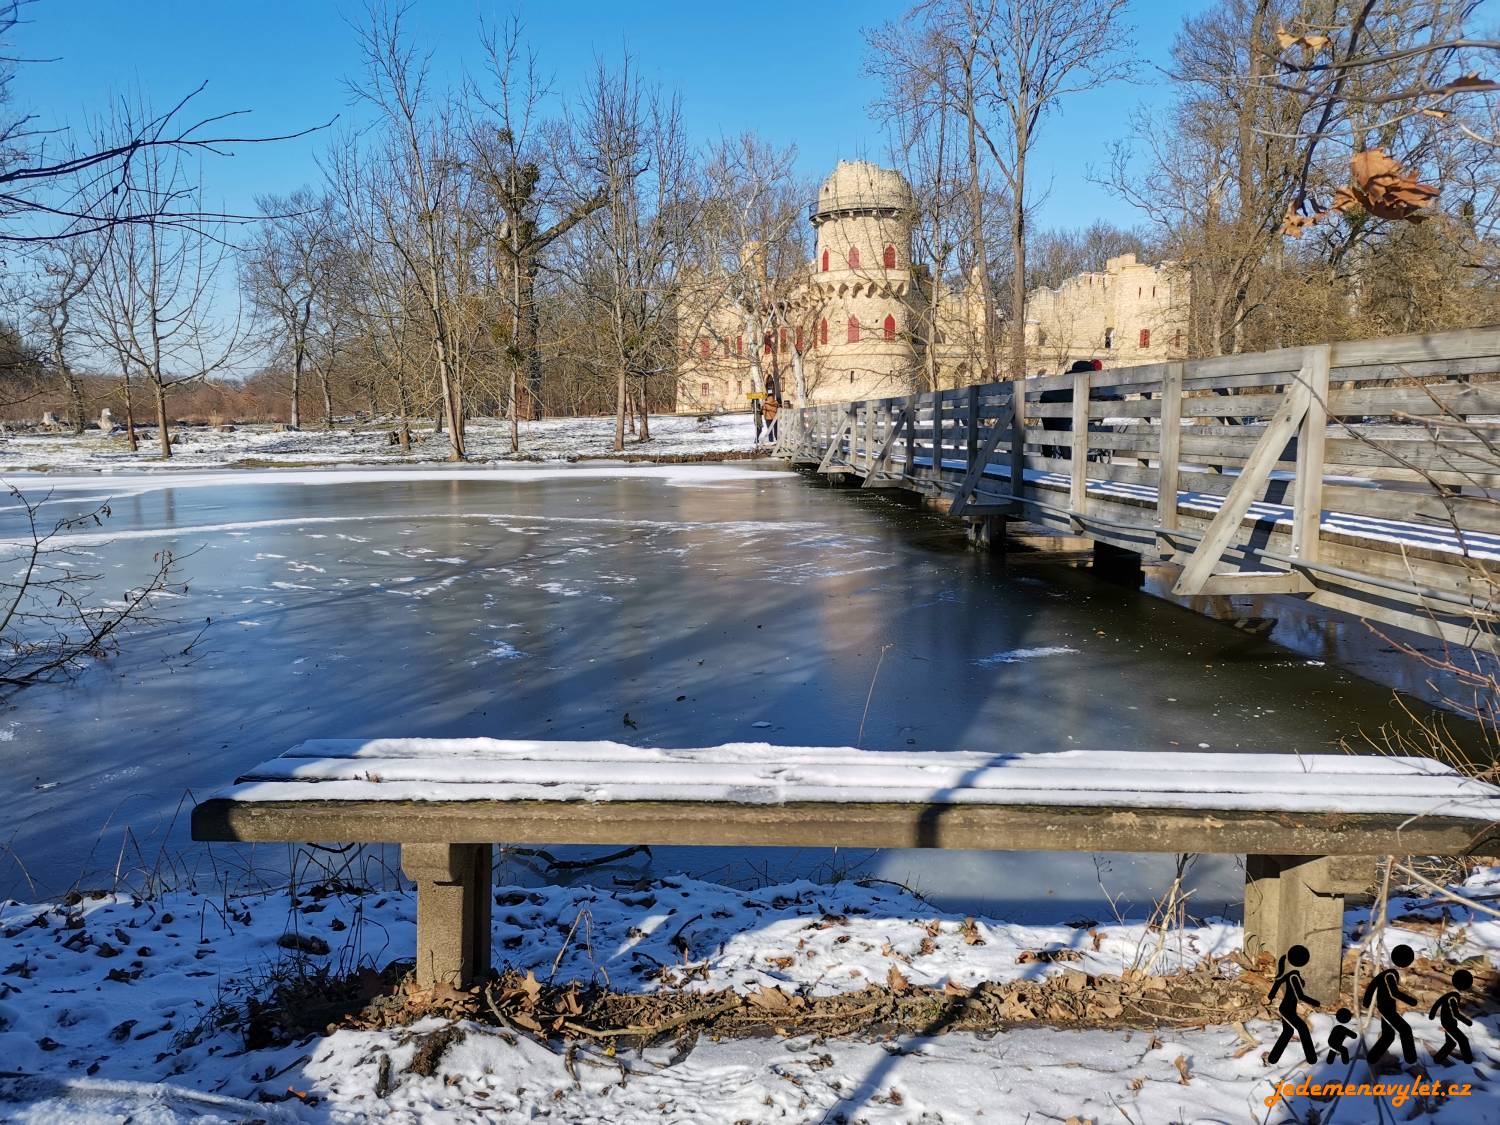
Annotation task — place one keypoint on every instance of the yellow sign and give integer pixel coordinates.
(756, 396)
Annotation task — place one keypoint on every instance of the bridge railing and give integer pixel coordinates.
(1364, 475)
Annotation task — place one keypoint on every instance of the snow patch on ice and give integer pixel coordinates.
(1016, 655)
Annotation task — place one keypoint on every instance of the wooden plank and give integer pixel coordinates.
(1018, 442)
(937, 434)
(808, 824)
(1170, 446)
(1255, 582)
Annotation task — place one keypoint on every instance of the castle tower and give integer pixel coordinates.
(865, 344)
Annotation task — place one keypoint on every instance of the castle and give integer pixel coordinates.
(862, 320)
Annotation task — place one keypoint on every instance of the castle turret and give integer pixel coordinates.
(862, 276)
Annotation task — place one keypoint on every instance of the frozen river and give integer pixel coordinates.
(706, 604)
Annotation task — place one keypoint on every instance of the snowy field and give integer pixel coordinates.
(116, 1009)
(204, 446)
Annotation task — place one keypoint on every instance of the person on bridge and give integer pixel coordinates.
(1064, 395)
(769, 410)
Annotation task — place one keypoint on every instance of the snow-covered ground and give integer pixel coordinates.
(119, 1008)
(369, 443)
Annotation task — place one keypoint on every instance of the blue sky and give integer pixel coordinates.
(738, 66)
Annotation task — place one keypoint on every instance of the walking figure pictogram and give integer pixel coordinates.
(1340, 1035)
(1386, 991)
(1289, 982)
(1448, 1013)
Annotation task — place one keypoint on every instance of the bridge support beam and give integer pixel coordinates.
(1115, 564)
(453, 911)
(1299, 900)
(985, 533)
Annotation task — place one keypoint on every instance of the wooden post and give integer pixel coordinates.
(453, 911)
(971, 444)
(909, 470)
(1307, 504)
(1170, 448)
(937, 435)
(1018, 444)
(1299, 900)
(1078, 490)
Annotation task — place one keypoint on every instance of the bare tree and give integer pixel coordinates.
(63, 275)
(537, 204)
(288, 271)
(156, 289)
(415, 181)
(628, 256)
(51, 622)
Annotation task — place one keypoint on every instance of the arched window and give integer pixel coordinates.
(823, 331)
(766, 343)
(1145, 338)
(704, 389)
(739, 345)
(890, 257)
(854, 329)
(825, 261)
(799, 339)
(854, 257)
(703, 349)
(783, 339)
(1109, 338)
(890, 327)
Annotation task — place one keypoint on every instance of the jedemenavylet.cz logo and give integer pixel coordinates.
(1397, 1092)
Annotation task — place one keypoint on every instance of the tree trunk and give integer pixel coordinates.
(514, 410)
(296, 422)
(75, 398)
(130, 437)
(530, 338)
(163, 432)
(327, 403)
(1018, 265)
(621, 392)
(981, 264)
(645, 405)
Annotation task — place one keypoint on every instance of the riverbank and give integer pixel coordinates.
(120, 1005)
(674, 439)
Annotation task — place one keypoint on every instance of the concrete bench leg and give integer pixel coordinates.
(453, 910)
(1299, 900)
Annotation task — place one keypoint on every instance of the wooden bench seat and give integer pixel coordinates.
(1311, 825)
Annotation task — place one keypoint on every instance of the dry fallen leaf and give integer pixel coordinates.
(897, 980)
(1181, 1063)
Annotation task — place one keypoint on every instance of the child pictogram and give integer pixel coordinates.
(1448, 1013)
(1341, 1035)
(1385, 990)
(1289, 983)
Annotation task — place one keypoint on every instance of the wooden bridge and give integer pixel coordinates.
(1363, 476)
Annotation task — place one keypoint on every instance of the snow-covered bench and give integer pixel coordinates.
(1309, 825)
